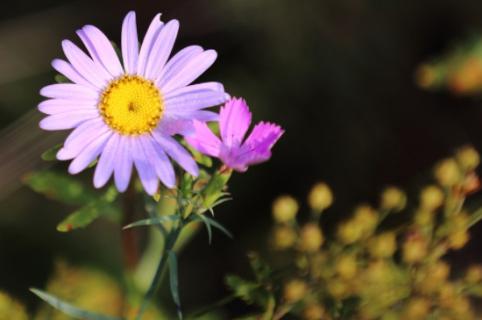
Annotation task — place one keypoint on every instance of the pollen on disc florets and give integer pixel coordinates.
(131, 105)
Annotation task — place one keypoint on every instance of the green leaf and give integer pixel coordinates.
(59, 78)
(60, 187)
(214, 188)
(101, 207)
(475, 217)
(261, 270)
(153, 221)
(69, 309)
(218, 226)
(50, 154)
(173, 281)
(208, 227)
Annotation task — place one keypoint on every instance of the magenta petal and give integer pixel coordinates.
(234, 121)
(257, 147)
(204, 140)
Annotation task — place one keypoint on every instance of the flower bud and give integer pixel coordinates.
(424, 218)
(283, 237)
(285, 209)
(337, 288)
(417, 309)
(474, 274)
(431, 198)
(458, 239)
(447, 173)
(320, 197)
(414, 249)
(346, 266)
(393, 198)
(349, 232)
(311, 238)
(367, 218)
(314, 312)
(468, 158)
(383, 245)
(294, 290)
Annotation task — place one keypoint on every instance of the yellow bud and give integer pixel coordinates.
(433, 277)
(11, 309)
(447, 173)
(431, 198)
(311, 238)
(285, 209)
(314, 312)
(320, 197)
(414, 249)
(383, 245)
(417, 309)
(468, 158)
(349, 232)
(367, 218)
(337, 288)
(447, 295)
(283, 237)
(294, 290)
(425, 76)
(424, 218)
(459, 222)
(346, 266)
(393, 198)
(458, 239)
(462, 308)
(474, 274)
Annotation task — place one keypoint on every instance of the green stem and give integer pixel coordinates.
(170, 242)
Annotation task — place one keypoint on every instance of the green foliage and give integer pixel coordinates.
(59, 187)
(69, 309)
(50, 154)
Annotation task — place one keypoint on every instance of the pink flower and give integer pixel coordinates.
(234, 121)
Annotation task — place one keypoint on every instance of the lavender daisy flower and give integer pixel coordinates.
(126, 112)
(234, 121)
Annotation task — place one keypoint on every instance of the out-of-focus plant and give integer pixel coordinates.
(459, 70)
(376, 264)
(10, 308)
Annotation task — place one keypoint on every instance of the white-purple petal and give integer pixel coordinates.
(188, 102)
(143, 161)
(177, 152)
(161, 163)
(69, 91)
(67, 120)
(130, 43)
(68, 71)
(196, 88)
(105, 166)
(84, 65)
(54, 106)
(161, 49)
(177, 63)
(190, 71)
(80, 137)
(123, 164)
(89, 154)
(101, 49)
(151, 35)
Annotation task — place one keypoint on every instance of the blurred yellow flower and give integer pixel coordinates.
(285, 209)
(320, 197)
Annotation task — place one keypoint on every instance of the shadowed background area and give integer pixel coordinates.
(337, 75)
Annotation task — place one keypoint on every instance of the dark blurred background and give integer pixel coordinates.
(337, 75)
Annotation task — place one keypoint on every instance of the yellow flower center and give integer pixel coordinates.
(131, 105)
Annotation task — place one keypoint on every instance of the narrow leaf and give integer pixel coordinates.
(69, 309)
(152, 221)
(208, 227)
(173, 281)
(218, 226)
(51, 154)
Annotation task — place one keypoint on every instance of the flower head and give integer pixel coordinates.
(126, 112)
(235, 152)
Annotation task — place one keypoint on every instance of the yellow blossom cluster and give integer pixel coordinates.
(386, 261)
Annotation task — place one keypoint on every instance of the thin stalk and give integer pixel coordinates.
(130, 240)
(170, 242)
